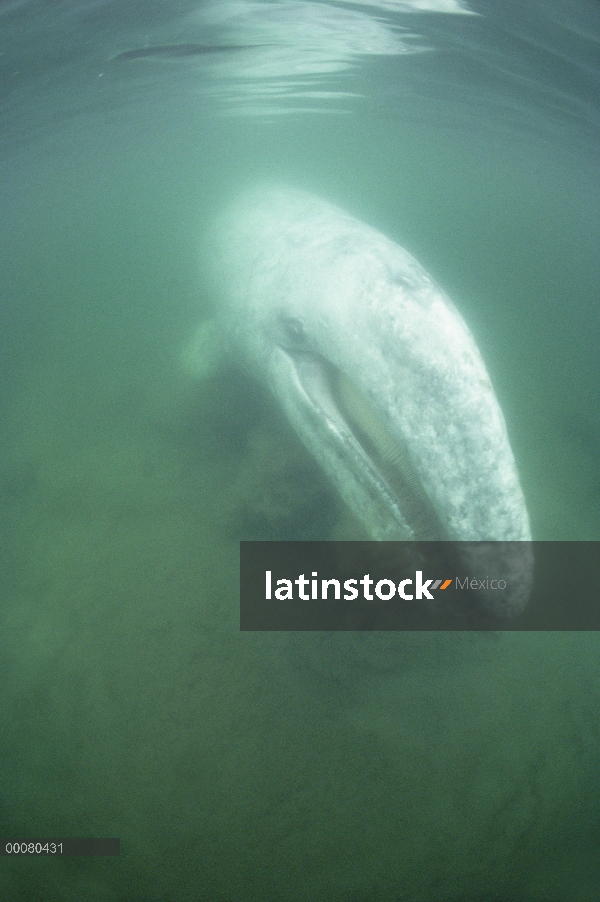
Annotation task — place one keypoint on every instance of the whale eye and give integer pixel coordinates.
(293, 332)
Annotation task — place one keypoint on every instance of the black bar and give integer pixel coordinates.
(50, 848)
(473, 586)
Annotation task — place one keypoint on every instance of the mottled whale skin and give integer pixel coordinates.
(326, 308)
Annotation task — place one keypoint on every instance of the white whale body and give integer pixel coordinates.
(378, 373)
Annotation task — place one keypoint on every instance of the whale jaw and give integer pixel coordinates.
(307, 389)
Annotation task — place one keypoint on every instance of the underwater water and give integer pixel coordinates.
(240, 767)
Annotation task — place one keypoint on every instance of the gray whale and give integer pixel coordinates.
(379, 375)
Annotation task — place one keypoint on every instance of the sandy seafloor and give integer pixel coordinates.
(268, 767)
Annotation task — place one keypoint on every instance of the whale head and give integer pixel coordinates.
(376, 370)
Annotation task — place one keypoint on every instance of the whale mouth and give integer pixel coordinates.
(388, 455)
(364, 456)
(375, 476)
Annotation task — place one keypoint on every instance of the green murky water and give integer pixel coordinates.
(252, 767)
